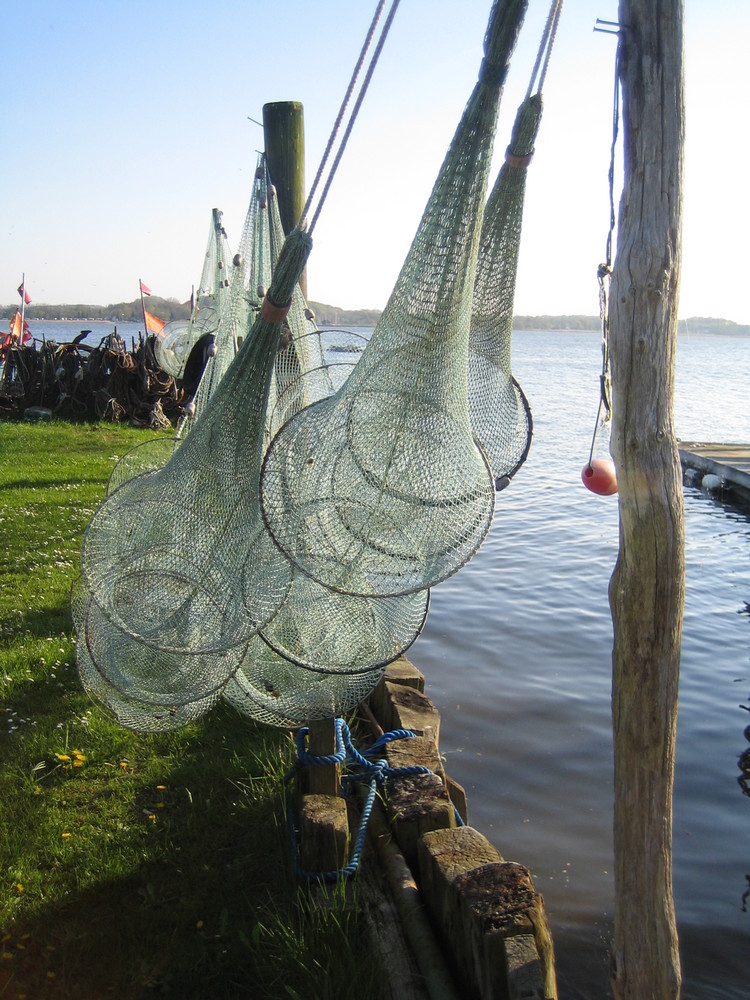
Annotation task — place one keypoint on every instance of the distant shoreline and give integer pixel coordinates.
(333, 316)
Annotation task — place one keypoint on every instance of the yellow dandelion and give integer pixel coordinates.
(63, 757)
(124, 764)
(160, 788)
(65, 836)
(152, 817)
(199, 924)
(19, 887)
(20, 947)
(50, 974)
(159, 805)
(7, 955)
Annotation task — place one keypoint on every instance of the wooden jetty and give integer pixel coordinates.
(728, 463)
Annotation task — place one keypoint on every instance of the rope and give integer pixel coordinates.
(373, 773)
(604, 271)
(355, 111)
(545, 46)
(344, 104)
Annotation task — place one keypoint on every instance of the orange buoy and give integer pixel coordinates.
(600, 477)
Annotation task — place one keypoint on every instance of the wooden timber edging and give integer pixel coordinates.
(723, 470)
(473, 921)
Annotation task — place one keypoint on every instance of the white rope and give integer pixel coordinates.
(545, 46)
(355, 110)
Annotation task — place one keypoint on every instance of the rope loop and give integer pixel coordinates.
(373, 773)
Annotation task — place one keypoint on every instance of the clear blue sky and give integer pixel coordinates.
(125, 122)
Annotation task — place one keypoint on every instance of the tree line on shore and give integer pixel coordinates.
(327, 315)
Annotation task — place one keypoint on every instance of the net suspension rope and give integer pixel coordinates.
(354, 112)
(545, 47)
(604, 271)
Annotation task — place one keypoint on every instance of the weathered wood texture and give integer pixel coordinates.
(324, 833)
(647, 587)
(417, 804)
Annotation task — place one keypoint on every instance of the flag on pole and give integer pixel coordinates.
(23, 293)
(19, 331)
(145, 290)
(153, 323)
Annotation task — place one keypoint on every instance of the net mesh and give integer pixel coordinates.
(359, 457)
(178, 558)
(271, 690)
(499, 412)
(173, 347)
(381, 489)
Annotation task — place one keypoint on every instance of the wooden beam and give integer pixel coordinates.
(647, 587)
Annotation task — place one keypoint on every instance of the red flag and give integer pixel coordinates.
(24, 294)
(154, 324)
(145, 290)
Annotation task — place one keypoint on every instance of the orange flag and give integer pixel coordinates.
(153, 323)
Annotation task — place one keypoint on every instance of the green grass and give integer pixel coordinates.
(134, 866)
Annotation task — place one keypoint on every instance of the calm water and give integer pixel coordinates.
(517, 655)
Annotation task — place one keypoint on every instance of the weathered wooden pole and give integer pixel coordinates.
(322, 815)
(647, 587)
(284, 134)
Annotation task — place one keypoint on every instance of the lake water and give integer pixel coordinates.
(517, 656)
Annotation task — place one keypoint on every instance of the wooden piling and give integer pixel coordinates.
(284, 134)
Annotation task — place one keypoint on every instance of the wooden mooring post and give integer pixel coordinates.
(284, 135)
(324, 828)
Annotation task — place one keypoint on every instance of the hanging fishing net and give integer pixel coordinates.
(148, 716)
(147, 456)
(374, 483)
(499, 412)
(381, 489)
(178, 558)
(273, 691)
(173, 347)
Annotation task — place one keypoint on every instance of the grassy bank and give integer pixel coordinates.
(133, 866)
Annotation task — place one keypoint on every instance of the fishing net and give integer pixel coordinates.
(381, 488)
(498, 409)
(148, 716)
(147, 456)
(273, 691)
(374, 484)
(178, 338)
(178, 558)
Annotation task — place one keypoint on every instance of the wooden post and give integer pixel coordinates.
(322, 743)
(647, 587)
(284, 133)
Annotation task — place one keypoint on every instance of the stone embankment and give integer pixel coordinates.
(471, 920)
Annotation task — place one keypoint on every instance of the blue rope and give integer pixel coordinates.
(373, 773)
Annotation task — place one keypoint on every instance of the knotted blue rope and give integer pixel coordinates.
(374, 773)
